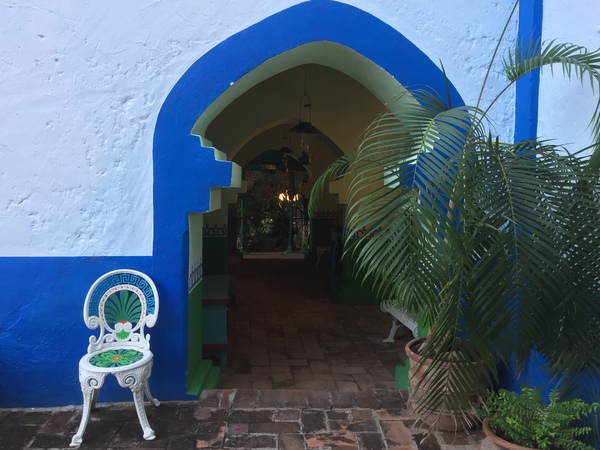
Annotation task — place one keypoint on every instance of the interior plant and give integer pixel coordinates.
(494, 243)
(526, 420)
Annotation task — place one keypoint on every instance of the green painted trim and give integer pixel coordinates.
(423, 328)
(350, 289)
(214, 324)
(214, 255)
(213, 381)
(401, 378)
(350, 292)
(194, 334)
(200, 375)
(207, 376)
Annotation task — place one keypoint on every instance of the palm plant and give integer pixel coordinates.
(495, 244)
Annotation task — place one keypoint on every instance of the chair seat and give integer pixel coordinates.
(115, 359)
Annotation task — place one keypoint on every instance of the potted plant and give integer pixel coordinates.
(513, 421)
(495, 244)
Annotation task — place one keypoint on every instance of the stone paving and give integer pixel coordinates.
(306, 419)
(239, 419)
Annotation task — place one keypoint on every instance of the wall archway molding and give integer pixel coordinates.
(188, 173)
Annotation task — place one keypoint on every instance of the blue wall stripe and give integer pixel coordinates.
(527, 88)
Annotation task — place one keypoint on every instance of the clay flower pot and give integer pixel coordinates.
(493, 442)
(442, 419)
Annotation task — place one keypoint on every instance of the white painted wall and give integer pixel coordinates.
(461, 35)
(81, 84)
(566, 106)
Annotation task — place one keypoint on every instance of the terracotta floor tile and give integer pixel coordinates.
(318, 399)
(364, 381)
(302, 373)
(287, 415)
(319, 385)
(331, 440)
(262, 384)
(289, 362)
(396, 433)
(291, 442)
(347, 386)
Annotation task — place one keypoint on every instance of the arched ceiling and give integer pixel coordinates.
(346, 90)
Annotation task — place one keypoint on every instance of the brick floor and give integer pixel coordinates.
(239, 419)
(289, 333)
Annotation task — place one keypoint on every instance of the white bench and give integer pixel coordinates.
(400, 317)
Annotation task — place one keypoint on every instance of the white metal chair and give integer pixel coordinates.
(121, 303)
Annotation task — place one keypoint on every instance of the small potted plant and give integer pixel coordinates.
(517, 421)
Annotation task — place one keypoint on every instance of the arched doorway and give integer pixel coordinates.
(189, 172)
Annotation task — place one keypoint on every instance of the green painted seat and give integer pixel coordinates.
(122, 303)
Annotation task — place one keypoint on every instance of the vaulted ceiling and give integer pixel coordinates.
(346, 90)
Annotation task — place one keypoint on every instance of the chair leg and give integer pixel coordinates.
(149, 394)
(90, 386)
(137, 380)
(95, 397)
(395, 325)
(88, 394)
(138, 399)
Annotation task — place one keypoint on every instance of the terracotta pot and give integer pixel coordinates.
(443, 419)
(493, 442)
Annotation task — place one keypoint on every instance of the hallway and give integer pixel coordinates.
(289, 334)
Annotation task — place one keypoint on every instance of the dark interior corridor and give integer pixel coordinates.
(289, 333)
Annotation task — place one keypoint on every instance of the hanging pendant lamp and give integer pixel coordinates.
(305, 126)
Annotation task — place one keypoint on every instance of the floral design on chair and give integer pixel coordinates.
(116, 358)
(121, 303)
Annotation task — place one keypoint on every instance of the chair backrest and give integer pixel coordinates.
(121, 302)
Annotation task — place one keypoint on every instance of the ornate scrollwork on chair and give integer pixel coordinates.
(121, 303)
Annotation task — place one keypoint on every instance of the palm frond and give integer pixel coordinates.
(575, 61)
(496, 244)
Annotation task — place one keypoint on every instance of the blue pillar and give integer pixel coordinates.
(528, 87)
(526, 120)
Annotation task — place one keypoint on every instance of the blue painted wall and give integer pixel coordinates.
(534, 371)
(42, 334)
(528, 87)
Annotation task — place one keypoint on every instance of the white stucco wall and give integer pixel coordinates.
(81, 84)
(461, 35)
(566, 106)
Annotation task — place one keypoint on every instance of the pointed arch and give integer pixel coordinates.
(186, 173)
